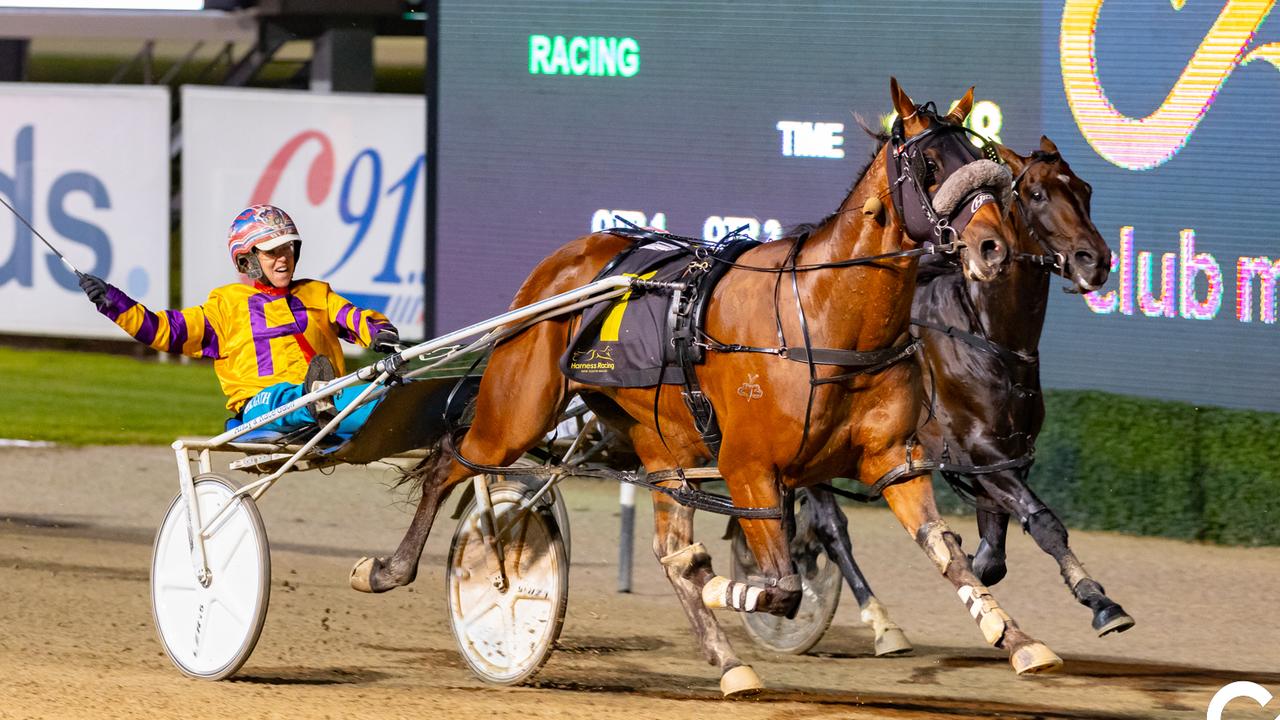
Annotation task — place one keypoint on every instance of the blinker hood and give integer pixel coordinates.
(963, 192)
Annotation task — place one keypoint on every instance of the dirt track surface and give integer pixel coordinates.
(76, 637)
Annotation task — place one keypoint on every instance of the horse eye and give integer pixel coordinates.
(1037, 196)
(931, 165)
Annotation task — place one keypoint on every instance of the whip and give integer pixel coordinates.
(61, 257)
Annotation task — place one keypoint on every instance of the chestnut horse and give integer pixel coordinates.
(801, 431)
(981, 367)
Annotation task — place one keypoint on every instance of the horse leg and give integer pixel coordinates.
(913, 504)
(520, 398)
(832, 528)
(688, 567)
(1014, 495)
(779, 590)
(989, 560)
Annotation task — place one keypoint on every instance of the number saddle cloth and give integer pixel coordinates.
(647, 336)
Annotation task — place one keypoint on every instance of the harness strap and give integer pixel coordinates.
(900, 474)
(851, 358)
(685, 494)
(681, 327)
(950, 471)
(954, 474)
(981, 343)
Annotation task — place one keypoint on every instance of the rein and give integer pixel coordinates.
(701, 252)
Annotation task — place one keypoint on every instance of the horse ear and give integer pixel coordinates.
(1011, 158)
(905, 108)
(962, 108)
(1047, 145)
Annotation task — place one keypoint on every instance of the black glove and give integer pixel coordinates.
(96, 288)
(385, 340)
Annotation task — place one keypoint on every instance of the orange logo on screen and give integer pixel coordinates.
(1145, 143)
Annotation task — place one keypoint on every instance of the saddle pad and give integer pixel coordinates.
(621, 343)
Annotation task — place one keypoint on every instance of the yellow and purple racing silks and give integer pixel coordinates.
(257, 335)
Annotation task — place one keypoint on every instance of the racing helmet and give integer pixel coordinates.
(260, 226)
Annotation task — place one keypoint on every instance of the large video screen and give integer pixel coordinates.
(699, 118)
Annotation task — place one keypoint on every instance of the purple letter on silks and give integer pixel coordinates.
(264, 334)
(1194, 263)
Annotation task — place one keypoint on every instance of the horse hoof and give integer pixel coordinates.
(740, 681)
(1112, 619)
(360, 575)
(893, 642)
(1033, 658)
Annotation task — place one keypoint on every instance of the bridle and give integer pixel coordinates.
(1050, 260)
(910, 176)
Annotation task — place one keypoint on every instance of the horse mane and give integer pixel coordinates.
(804, 230)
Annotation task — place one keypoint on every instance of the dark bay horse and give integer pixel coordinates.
(797, 431)
(981, 367)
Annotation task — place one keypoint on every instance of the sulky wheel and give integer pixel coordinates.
(821, 584)
(209, 629)
(555, 498)
(506, 630)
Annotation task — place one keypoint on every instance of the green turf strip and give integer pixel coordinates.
(91, 398)
(81, 398)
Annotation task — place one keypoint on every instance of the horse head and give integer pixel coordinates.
(1055, 206)
(944, 191)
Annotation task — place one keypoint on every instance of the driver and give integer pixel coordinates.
(271, 337)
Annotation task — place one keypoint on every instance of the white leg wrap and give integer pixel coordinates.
(721, 592)
(1074, 573)
(935, 545)
(992, 619)
(715, 594)
(684, 557)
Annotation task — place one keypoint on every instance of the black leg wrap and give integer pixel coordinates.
(784, 598)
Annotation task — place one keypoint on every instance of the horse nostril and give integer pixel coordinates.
(992, 251)
(1085, 259)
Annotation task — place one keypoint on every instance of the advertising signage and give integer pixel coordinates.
(557, 117)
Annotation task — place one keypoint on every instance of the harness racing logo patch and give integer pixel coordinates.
(594, 360)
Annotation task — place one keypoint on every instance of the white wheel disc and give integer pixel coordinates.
(208, 632)
(506, 635)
